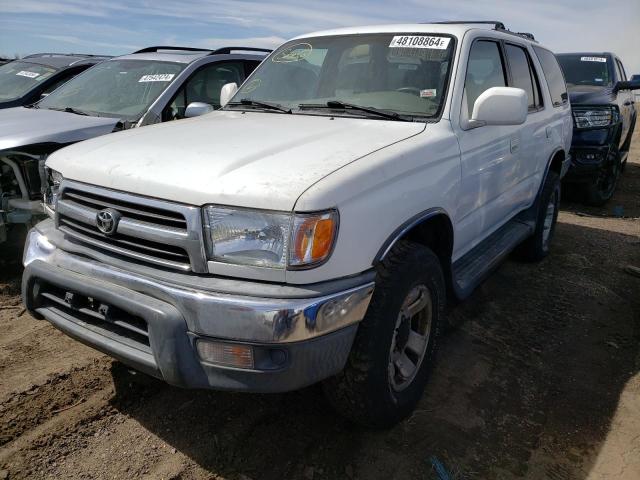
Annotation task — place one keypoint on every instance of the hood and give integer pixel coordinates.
(252, 159)
(590, 95)
(27, 126)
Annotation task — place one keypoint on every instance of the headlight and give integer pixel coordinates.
(594, 117)
(54, 179)
(269, 239)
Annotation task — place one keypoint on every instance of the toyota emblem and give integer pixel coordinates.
(107, 221)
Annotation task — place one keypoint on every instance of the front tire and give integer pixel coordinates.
(396, 343)
(600, 190)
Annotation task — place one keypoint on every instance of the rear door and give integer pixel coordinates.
(535, 144)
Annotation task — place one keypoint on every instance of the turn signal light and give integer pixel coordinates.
(226, 354)
(312, 239)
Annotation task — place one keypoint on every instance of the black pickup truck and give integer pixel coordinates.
(604, 116)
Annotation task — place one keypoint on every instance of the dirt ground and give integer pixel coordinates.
(538, 378)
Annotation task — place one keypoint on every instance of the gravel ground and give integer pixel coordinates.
(539, 377)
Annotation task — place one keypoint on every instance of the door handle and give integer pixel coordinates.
(627, 103)
(514, 144)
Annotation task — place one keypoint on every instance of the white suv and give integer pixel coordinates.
(314, 228)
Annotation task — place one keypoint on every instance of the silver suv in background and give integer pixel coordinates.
(25, 81)
(152, 85)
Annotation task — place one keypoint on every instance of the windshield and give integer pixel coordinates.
(585, 69)
(403, 74)
(17, 78)
(117, 88)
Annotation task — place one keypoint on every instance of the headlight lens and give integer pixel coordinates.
(594, 117)
(268, 239)
(54, 179)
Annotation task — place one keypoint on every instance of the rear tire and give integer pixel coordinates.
(396, 342)
(537, 246)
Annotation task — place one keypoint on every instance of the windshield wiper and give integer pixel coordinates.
(265, 105)
(71, 110)
(336, 104)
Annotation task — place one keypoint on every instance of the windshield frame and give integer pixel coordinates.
(124, 118)
(56, 71)
(348, 113)
(576, 57)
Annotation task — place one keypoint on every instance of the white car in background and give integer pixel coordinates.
(315, 227)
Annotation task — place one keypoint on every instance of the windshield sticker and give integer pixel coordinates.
(428, 93)
(598, 80)
(419, 41)
(294, 53)
(24, 73)
(593, 59)
(252, 85)
(159, 77)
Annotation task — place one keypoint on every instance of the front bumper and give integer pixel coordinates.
(153, 325)
(590, 151)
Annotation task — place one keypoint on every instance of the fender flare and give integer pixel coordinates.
(407, 226)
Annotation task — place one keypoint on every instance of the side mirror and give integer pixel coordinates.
(226, 92)
(632, 84)
(500, 106)
(195, 109)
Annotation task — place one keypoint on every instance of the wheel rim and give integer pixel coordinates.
(548, 219)
(410, 337)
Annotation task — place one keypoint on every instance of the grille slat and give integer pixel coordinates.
(133, 243)
(157, 216)
(150, 231)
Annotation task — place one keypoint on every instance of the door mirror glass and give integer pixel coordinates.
(226, 92)
(500, 106)
(195, 109)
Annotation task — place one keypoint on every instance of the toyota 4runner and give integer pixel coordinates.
(314, 228)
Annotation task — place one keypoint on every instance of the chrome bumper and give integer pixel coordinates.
(220, 315)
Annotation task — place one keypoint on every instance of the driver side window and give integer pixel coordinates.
(204, 86)
(484, 71)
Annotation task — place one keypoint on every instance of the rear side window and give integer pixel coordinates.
(553, 75)
(485, 70)
(522, 74)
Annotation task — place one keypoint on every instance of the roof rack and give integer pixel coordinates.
(33, 55)
(497, 25)
(162, 47)
(225, 50)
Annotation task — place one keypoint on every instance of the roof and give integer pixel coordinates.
(62, 60)
(456, 29)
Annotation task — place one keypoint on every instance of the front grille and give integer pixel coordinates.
(131, 210)
(148, 230)
(146, 249)
(94, 315)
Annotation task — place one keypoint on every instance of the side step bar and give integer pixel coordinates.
(470, 270)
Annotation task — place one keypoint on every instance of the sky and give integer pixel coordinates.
(121, 26)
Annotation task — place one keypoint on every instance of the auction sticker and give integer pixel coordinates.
(419, 41)
(593, 59)
(428, 93)
(24, 73)
(294, 53)
(158, 77)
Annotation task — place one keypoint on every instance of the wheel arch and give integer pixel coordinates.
(432, 228)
